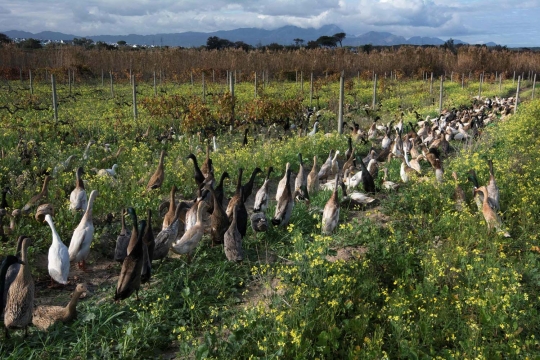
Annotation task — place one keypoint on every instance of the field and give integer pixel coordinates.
(407, 277)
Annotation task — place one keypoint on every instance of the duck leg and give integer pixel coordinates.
(6, 333)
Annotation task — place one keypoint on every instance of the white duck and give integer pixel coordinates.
(79, 247)
(108, 172)
(77, 198)
(191, 238)
(262, 197)
(58, 256)
(282, 182)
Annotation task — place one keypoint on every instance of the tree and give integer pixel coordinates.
(4, 39)
(339, 38)
(298, 42)
(216, 43)
(449, 45)
(242, 45)
(274, 47)
(30, 44)
(84, 42)
(121, 43)
(313, 44)
(367, 48)
(328, 41)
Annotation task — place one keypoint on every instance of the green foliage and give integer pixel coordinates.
(428, 282)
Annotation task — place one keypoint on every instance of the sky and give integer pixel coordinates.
(504, 22)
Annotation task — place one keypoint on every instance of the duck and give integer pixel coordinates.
(44, 316)
(108, 172)
(315, 127)
(259, 223)
(6, 265)
(373, 168)
(36, 199)
(352, 181)
(122, 240)
(77, 198)
(159, 175)
(87, 150)
(367, 180)
(349, 149)
(477, 196)
(62, 166)
(219, 222)
(169, 216)
(58, 264)
(301, 177)
(219, 193)
(79, 247)
(285, 203)
(459, 194)
(330, 217)
(349, 163)
(148, 249)
(167, 235)
(262, 196)
(191, 238)
(206, 167)
(112, 157)
(491, 217)
(335, 165)
(197, 173)
(20, 295)
(283, 181)
(326, 168)
(248, 187)
(493, 189)
(387, 184)
(354, 198)
(313, 178)
(191, 214)
(13, 270)
(129, 281)
(233, 240)
(439, 173)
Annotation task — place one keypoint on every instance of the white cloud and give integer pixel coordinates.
(476, 19)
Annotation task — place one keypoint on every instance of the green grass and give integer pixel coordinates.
(432, 281)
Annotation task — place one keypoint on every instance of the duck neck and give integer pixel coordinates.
(71, 307)
(89, 207)
(172, 205)
(79, 181)
(45, 188)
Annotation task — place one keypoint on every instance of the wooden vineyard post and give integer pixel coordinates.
(112, 86)
(102, 78)
(534, 86)
(69, 80)
(54, 98)
(514, 78)
(231, 89)
(160, 77)
(500, 83)
(255, 86)
(302, 82)
(134, 97)
(155, 87)
(20, 75)
(480, 86)
(191, 78)
(31, 82)
(431, 84)
(213, 76)
(462, 80)
(311, 91)
(374, 103)
(340, 113)
(441, 95)
(452, 76)
(517, 94)
(203, 89)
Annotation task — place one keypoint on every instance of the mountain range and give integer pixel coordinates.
(252, 36)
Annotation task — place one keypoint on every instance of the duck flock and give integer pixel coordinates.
(226, 220)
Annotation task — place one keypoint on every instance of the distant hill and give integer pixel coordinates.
(253, 36)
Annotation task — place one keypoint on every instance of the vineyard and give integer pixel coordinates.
(409, 275)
